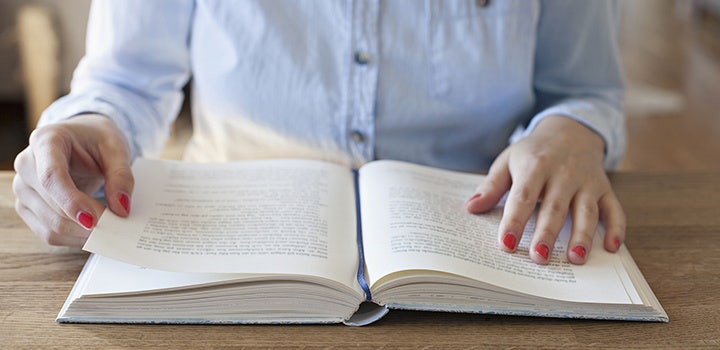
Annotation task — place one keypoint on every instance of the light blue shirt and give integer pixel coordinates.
(444, 83)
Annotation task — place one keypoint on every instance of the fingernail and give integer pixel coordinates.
(124, 201)
(509, 241)
(85, 219)
(617, 243)
(477, 195)
(542, 250)
(579, 251)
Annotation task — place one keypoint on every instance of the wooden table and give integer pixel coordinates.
(673, 234)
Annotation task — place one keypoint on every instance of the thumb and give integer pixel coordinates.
(111, 152)
(119, 180)
(493, 188)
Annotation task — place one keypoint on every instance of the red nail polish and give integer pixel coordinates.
(579, 251)
(85, 219)
(542, 250)
(617, 243)
(124, 201)
(509, 241)
(477, 195)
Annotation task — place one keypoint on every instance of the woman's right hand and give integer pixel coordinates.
(64, 165)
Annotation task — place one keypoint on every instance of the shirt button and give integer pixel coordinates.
(357, 136)
(362, 57)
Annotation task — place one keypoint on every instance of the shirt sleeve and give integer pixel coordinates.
(577, 70)
(133, 71)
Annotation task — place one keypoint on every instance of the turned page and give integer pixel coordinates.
(413, 218)
(254, 217)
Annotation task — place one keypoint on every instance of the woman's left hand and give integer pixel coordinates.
(559, 164)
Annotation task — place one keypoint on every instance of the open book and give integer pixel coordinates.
(301, 241)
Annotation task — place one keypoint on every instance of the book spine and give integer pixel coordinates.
(358, 218)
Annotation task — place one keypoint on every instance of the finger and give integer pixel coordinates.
(613, 215)
(28, 196)
(25, 184)
(551, 218)
(585, 215)
(43, 217)
(520, 205)
(59, 235)
(493, 188)
(50, 221)
(52, 158)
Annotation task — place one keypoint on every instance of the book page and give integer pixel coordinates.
(414, 218)
(106, 276)
(252, 217)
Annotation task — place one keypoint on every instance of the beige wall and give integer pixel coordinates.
(70, 17)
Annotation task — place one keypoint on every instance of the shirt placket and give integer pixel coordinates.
(363, 80)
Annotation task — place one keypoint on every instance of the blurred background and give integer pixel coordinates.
(670, 52)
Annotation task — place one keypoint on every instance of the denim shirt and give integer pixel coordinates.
(444, 83)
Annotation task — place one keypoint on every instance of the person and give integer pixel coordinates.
(530, 90)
